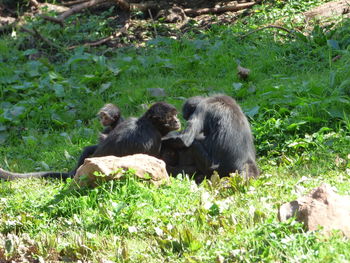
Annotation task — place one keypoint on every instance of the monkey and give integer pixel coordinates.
(141, 135)
(109, 116)
(131, 136)
(228, 144)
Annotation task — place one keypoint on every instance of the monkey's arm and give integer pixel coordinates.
(87, 152)
(186, 138)
(203, 161)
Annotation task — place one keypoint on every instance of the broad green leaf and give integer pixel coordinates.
(59, 90)
(237, 85)
(78, 58)
(30, 52)
(333, 44)
(3, 137)
(30, 140)
(14, 112)
(104, 87)
(252, 112)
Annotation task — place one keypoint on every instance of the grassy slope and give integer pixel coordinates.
(297, 98)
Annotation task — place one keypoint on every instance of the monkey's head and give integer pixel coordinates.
(108, 115)
(190, 106)
(164, 117)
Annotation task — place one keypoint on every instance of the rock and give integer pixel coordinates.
(146, 167)
(242, 72)
(156, 92)
(321, 207)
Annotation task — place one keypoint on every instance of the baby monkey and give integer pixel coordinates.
(109, 116)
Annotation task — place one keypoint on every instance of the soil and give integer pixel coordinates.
(167, 18)
(136, 27)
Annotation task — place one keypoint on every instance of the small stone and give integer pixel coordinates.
(156, 92)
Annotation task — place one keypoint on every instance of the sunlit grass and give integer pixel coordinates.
(297, 99)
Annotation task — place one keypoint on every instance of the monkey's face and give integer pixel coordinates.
(172, 122)
(164, 117)
(105, 119)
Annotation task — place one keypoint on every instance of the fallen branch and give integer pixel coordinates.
(77, 8)
(53, 19)
(216, 10)
(330, 9)
(34, 3)
(36, 34)
(103, 40)
(84, 4)
(269, 26)
(143, 7)
(76, 2)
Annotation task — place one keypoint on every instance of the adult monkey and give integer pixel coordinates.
(227, 143)
(182, 160)
(134, 135)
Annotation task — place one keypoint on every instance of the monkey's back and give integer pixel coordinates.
(130, 137)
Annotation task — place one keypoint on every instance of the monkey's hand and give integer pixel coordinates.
(173, 141)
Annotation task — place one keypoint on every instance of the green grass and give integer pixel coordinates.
(296, 98)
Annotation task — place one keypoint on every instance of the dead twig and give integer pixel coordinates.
(269, 26)
(216, 10)
(53, 19)
(153, 24)
(103, 40)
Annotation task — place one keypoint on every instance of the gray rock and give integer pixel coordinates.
(156, 92)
